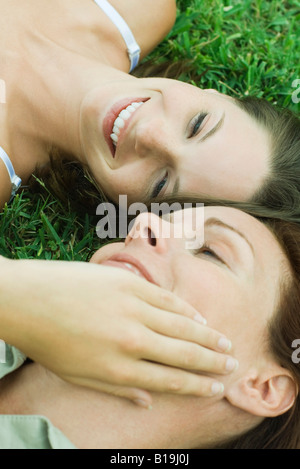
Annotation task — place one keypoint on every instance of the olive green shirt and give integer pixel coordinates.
(26, 431)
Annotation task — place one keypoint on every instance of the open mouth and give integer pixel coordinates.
(117, 119)
(119, 123)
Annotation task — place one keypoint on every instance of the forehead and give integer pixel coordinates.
(270, 261)
(256, 232)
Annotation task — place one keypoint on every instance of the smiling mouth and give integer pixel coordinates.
(119, 123)
(117, 120)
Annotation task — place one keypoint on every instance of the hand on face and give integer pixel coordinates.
(226, 280)
(152, 340)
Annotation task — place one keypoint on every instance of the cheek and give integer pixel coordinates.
(216, 295)
(131, 183)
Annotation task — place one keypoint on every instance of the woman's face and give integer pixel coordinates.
(175, 137)
(233, 280)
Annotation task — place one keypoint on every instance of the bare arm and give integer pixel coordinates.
(106, 329)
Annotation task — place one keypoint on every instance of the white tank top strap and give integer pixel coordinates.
(132, 46)
(15, 180)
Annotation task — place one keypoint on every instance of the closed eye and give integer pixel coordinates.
(207, 251)
(196, 123)
(159, 186)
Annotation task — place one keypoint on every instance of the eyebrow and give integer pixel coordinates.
(214, 129)
(175, 190)
(216, 222)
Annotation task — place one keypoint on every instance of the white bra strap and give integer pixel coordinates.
(15, 180)
(132, 47)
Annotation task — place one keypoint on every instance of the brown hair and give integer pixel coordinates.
(70, 182)
(282, 432)
(281, 189)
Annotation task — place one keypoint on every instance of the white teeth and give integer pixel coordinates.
(114, 138)
(131, 108)
(116, 130)
(133, 269)
(125, 114)
(119, 123)
(120, 120)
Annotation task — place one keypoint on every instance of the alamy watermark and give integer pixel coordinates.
(2, 92)
(296, 93)
(184, 221)
(296, 353)
(2, 351)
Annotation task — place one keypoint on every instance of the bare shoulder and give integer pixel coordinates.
(150, 20)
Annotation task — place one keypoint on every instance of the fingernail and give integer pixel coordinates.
(143, 404)
(200, 319)
(224, 344)
(217, 388)
(231, 364)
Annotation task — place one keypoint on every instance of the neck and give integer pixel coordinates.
(96, 420)
(56, 63)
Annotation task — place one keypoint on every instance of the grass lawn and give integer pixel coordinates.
(239, 47)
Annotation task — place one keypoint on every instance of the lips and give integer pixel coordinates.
(111, 116)
(127, 262)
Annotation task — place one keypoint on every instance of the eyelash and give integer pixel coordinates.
(196, 123)
(204, 248)
(157, 189)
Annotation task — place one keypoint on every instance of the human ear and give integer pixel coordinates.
(265, 394)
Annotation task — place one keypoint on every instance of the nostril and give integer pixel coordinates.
(151, 237)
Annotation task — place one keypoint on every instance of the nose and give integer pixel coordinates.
(155, 138)
(183, 229)
(150, 230)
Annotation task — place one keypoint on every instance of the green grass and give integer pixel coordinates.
(237, 47)
(38, 227)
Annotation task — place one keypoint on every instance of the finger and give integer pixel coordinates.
(159, 378)
(176, 326)
(188, 356)
(168, 301)
(139, 397)
(144, 344)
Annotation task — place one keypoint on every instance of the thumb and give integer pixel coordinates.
(137, 396)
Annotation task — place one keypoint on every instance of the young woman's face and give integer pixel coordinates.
(175, 137)
(233, 280)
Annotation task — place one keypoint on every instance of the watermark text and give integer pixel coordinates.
(296, 353)
(2, 92)
(296, 93)
(176, 221)
(2, 351)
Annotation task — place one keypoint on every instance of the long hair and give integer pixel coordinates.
(282, 432)
(280, 191)
(70, 181)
